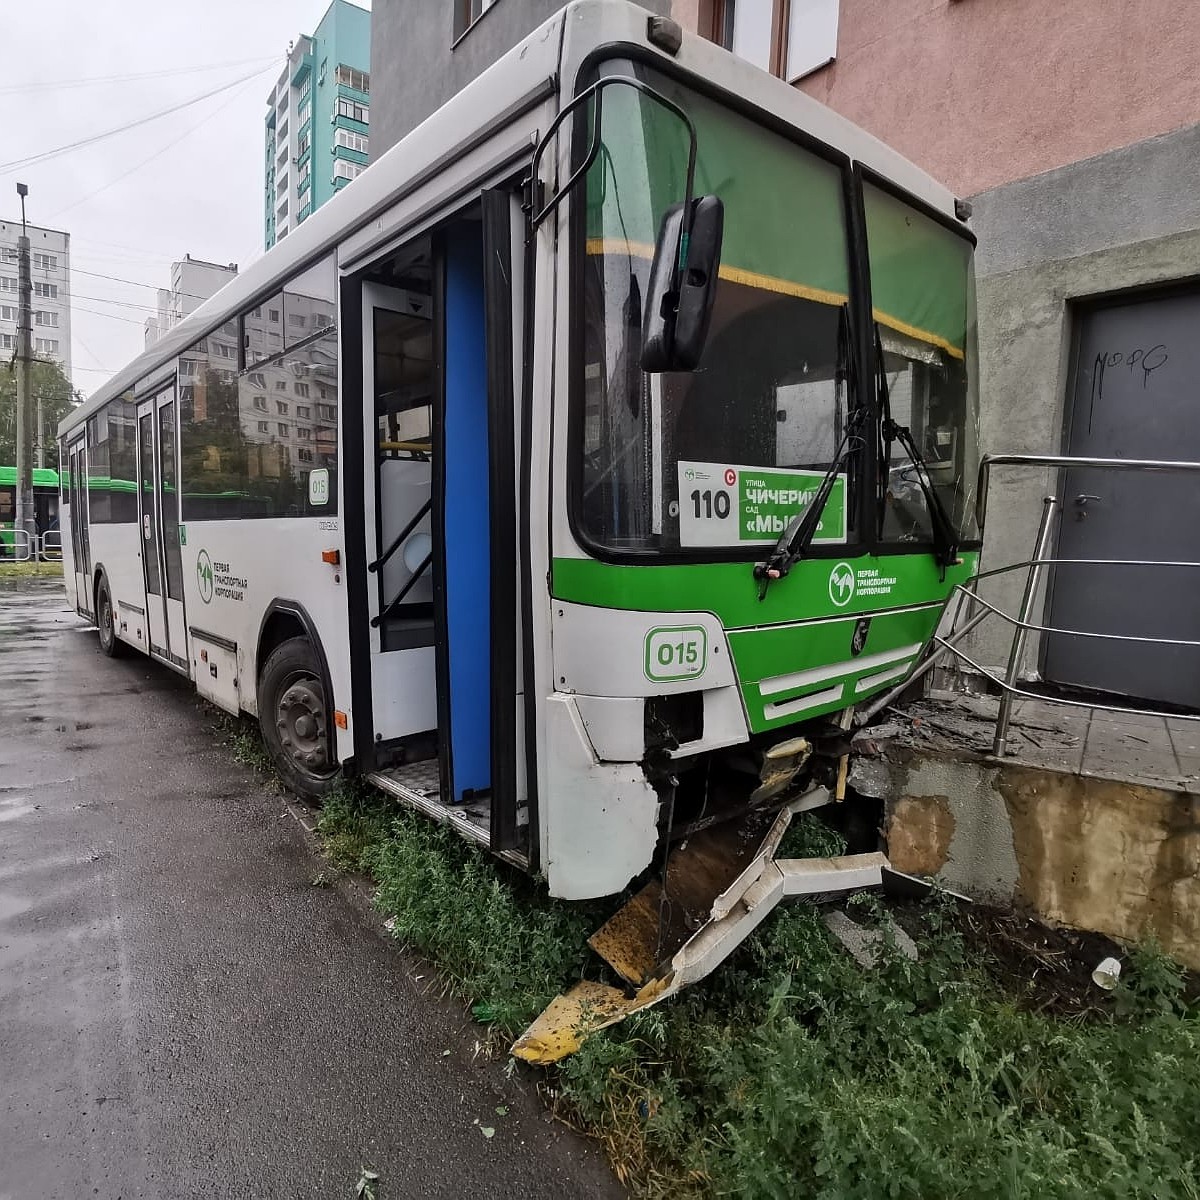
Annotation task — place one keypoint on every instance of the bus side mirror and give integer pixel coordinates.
(682, 287)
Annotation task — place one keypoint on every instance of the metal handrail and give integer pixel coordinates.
(408, 587)
(1030, 627)
(1064, 460)
(377, 565)
(52, 552)
(1023, 625)
(1013, 690)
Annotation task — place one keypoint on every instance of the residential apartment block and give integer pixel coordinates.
(192, 282)
(318, 119)
(50, 268)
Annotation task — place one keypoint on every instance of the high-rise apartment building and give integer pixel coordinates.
(317, 121)
(50, 269)
(192, 282)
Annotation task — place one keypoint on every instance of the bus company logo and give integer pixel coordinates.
(204, 576)
(841, 584)
(730, 477)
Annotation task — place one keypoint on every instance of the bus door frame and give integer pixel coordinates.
(166, 626)
(80, 542)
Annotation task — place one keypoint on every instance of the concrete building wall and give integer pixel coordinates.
(417, 63)
(980, 94)
(1123, 220)
(192, 282)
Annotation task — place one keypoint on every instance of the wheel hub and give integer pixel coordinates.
(300, 720)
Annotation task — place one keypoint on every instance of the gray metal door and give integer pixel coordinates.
(1135, 396)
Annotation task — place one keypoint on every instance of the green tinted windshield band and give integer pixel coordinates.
(920, 273)
(784, 220)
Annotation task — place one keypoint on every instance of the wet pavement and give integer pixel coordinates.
(182, 1013)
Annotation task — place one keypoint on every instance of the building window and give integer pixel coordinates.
(467, 12)
(354, 110)
(789, 38)
(302, 144)
(264, 427)
(8, 312)
(303, 432)
(7, 284)
(48, 291)
(259, 402)
(46, 318)
(281, 408)
(303, 113)
(301, 389)
(360, 81)
(351, 141)
(9, 254)
(45, 262)
(46, 345)
(304, 455)
(7, 341)
(345, 169)
(281, 385)
(302, 410)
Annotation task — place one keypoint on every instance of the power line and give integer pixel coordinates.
(146, 161)
(111, 316)
(96, 80)
(132, 283)
(8, 167)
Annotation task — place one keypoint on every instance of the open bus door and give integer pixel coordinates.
(158, 521)
(81, 556)
(439, 323)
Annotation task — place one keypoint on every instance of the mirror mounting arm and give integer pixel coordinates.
(538, 215)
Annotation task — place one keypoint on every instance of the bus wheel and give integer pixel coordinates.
(106, 621)
(294, 715)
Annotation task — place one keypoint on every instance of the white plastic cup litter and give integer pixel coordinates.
(1106, 974)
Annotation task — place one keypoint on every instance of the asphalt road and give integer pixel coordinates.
(182, 1014)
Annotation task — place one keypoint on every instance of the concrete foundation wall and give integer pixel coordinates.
(1125, 220)
(1119, 858)
(417, 65)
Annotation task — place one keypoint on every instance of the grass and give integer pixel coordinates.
(791, 1072)
(30, 570)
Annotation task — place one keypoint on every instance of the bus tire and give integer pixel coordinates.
(293, 713)
(106, 622)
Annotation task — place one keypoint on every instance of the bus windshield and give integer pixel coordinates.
(720, 459)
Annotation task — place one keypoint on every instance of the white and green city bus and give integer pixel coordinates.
(570, 473)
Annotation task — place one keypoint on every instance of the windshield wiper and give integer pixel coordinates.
(802, 528)
(945, 536)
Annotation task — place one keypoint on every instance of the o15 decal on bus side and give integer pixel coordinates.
(675, 652)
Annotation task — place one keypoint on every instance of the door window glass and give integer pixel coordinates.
(146, 503)
(168, 499)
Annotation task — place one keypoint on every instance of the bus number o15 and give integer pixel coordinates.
(680, 652)
(709, 504)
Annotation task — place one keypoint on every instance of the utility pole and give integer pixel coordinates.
(26, 517)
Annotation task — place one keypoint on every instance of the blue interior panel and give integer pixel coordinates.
(467, 524)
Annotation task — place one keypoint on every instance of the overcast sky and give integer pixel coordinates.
(187, 183)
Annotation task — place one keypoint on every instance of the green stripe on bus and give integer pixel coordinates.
(730, 591)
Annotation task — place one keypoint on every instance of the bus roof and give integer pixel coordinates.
(42, 477)
(526, 74)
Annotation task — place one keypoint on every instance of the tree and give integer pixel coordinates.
(48, 383)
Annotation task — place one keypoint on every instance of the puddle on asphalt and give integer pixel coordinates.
(72, 726)
(12, 808)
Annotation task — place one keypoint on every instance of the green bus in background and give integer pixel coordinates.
(45, 503)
